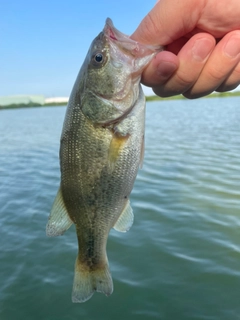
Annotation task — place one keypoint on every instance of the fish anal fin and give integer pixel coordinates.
(116, 145)
(125, 220)
(59, 220)
(87, 281)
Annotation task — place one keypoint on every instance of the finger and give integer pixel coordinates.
(177, 45)
(192, 57)
(160, 69)
(219, 67)
(232, 81)
(167, 21)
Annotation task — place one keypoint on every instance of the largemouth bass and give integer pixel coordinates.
(102, 147)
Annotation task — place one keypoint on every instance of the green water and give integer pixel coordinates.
(181, 258)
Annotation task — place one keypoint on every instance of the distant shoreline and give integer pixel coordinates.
(212, 95)
(148, 99)
(20, 106)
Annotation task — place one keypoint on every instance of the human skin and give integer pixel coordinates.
(202, 46)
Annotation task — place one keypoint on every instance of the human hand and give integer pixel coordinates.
(202, 43)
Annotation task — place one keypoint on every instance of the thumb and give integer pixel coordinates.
(168, 20)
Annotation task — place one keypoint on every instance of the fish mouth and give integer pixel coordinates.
(124, 42)
(115, 35)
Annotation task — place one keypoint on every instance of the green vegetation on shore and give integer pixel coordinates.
(212, 95)
(31, 104)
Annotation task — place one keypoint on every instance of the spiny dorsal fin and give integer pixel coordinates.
(125, 220)
(58, 221)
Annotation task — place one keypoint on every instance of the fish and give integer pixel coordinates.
(101, 150)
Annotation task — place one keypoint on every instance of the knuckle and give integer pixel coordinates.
(236, 71)
(180, 83)
(149, 27)
(184, 81)
(215, 73)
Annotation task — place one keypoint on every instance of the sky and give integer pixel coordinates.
(43, 43)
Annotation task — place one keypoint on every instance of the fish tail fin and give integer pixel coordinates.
(86, 282)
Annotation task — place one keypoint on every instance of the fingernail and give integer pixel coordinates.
(201, 49)
(232, 47)
(165, 69)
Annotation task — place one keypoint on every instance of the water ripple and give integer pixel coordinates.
(180, 260)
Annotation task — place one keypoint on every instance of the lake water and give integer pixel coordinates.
(181, 258)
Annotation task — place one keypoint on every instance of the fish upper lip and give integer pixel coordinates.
(115, 35)
(135, 48)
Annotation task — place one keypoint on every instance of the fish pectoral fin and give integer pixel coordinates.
(117, 144)
(59, 220)
(86, 282)
(125, 220)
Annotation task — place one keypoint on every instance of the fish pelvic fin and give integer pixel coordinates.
(86, 282)
(59, 220)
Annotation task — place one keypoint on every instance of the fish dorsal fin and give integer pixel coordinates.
(59, 220)
(125, 220)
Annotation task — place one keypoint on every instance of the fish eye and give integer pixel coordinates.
(98, 57)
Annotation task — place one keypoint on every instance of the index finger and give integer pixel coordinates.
(168, 21)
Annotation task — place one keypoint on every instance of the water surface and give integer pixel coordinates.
(181, 258)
